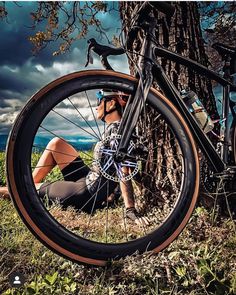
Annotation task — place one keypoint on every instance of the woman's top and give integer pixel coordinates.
(94, 175)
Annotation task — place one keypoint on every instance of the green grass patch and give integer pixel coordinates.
(201, 261)
(2, 169)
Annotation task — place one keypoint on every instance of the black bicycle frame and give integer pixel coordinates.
(150, 67)
(202, 140)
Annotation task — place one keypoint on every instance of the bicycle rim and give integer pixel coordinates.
(166, 195)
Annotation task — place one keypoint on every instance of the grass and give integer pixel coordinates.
(2, 169)
(201, 261)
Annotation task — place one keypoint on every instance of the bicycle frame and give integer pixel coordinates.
(151, 68)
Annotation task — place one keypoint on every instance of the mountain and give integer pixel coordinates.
(80, 143)
(3, 141)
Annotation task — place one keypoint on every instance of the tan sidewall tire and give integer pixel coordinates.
(13, 186)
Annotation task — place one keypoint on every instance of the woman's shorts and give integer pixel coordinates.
(72, 191)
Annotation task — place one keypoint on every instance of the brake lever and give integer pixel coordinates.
(89, 56)
(103, 51)
(99, 50)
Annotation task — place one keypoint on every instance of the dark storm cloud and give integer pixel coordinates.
(4, 104)
(17, 81)
(22, 74)
(15, 49)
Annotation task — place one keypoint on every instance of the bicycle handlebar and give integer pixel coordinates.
(103, 51)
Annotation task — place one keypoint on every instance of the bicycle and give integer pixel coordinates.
(167, 198)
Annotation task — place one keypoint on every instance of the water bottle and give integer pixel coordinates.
(197, 109)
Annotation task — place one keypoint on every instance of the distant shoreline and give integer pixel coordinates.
(82, 144)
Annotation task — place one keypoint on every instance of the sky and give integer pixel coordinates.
(22, 74)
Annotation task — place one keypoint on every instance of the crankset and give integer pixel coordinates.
(210, 181)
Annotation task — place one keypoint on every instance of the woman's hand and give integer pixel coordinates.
(134, 215)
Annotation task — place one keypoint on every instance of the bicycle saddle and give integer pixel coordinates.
(224, 49)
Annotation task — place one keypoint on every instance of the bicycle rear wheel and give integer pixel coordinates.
(164, 170)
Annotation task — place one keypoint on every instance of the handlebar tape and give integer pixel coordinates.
(103, 51)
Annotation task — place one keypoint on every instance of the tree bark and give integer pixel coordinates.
(181, 34)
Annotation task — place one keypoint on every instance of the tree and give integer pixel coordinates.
(219, 25)
(63, 22)
(182, 34)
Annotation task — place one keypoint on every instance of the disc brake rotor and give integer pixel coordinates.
(111, 168)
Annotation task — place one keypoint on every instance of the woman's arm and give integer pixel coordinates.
(127, 192)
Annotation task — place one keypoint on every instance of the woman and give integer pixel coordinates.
(83, 187)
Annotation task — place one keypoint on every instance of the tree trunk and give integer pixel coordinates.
(181, 34)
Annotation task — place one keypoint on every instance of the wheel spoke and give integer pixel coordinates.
(132, 192)
(90, 216)
(61, 163)
(152, 161)
(97, 136)
(125, 223)
(93, 116)
(75, 124)
(149, 191)
(93, 194)
(55, 135)
(106, 226)
(62, 178)
(55, 151)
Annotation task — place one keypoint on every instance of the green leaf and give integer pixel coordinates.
(181, 271)
(173, 255)
(52, 279)
(233, 284)
(66, 280)
(185, 283)
(73, 287)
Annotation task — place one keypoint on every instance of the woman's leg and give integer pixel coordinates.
(58, 152)
(4, 193)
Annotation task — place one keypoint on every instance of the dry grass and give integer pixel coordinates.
(201, 261)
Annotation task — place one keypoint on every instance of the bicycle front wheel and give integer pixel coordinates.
(163, 170)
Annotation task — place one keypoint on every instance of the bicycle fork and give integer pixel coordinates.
(137, 104)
